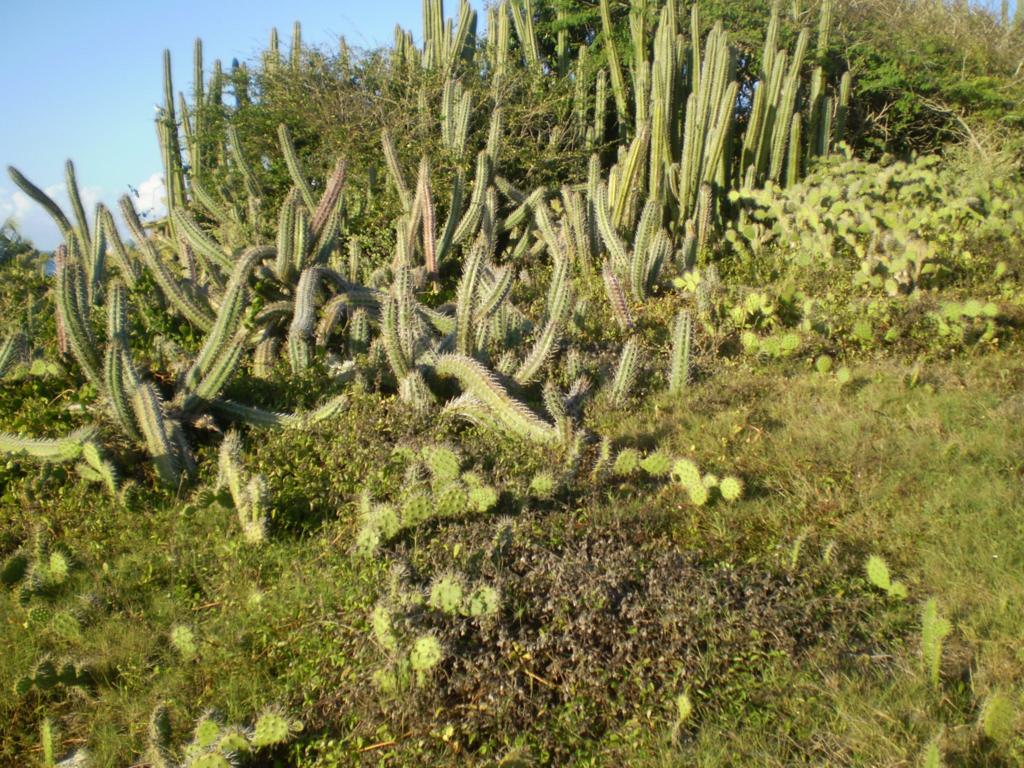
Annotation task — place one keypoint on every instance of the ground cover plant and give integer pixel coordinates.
(596, 403)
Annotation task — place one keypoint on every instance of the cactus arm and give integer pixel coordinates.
(616, 248)
(114, 375)
(76, 207)
(303, 319)
(642, 242)
(522, 17)
(391, 156)
(284, 264)
(229, 320)
(439, 321)
(559, 303)
(256, 417)
(429, 222)
(393, 347)
(682, 338)
(252, 187)
(616, 297)
(126, 264)
(329, 200)
(324, 247)
(73, 310)
(199, 240)
(291, 159)
(44, 200)
(334, 309)
(216, 377)
(465, 298)
(618, 81)
(12, 352)
(632, 177)
(260, 418)
(301, 246)
(496, 297)
(149, 411)
(208, 203)
(626, 371)
(484, 385)
(454, 215)
(57, 449)
(191, 309)
(470, 222)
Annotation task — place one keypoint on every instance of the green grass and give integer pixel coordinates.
(617, 596)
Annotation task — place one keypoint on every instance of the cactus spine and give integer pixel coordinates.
(57, 449)
(626, 371)
(682, 339)
(484, 385)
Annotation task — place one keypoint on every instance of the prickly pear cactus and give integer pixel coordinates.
(442, 462)
(687, 474)
(731, 488)
(425, 654)
(210, 760)
(626, 462)
(273, 728)
(656, 464)
(484, 601)
(446, 594)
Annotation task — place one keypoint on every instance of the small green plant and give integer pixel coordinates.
(683, 711)
(46, 675)
(483, 602)
(424, 656)
(48, 736)
(249, 494)
(272, 728)
(877, 571)
(731, 488)
(443, 463)
(446, 594)
(626, 462)
(656, 464)
(934, 630)
(687, 474)
(997, 720)
(79, 446)
(184, 642)
(932, 755)
(698, 494)
(542, 485)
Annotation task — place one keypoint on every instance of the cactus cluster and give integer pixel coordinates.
(48, 675)
(889, 218)
(248, 492)
(680, 149)
(37, 567)
(216, 744)
(700, 488)
(411, 657)
(449, 594)
(449, 494)
(80, 446)
(194, 276)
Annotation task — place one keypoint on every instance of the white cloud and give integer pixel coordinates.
(150, 198)
(36, 225)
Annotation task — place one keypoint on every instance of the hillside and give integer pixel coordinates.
(614, 388)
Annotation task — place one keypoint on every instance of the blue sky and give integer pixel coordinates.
(81, 79)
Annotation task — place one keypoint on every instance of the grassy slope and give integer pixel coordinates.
(802, 661)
